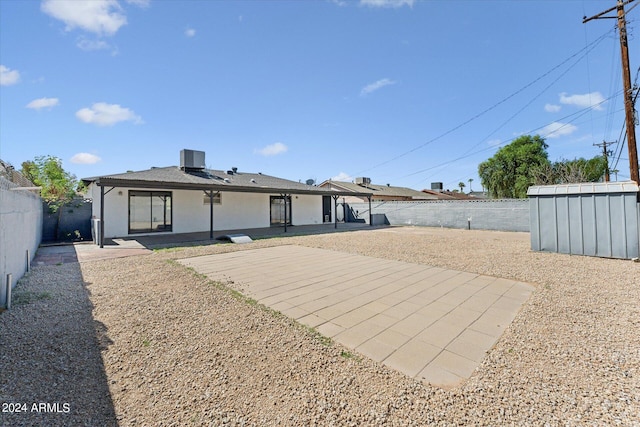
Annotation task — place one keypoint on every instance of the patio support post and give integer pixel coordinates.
(211, 195)
(284, 196)
(101, 216)
(370, 213)
(335, 211)
(210, 215)
(102, 194)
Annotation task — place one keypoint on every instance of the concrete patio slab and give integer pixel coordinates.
(432, 324)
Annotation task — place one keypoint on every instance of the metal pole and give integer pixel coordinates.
(9, 280)
(211, 215)
(102, 216)
(28, 261)
(335, 209)
(370, 213)
(284, 196)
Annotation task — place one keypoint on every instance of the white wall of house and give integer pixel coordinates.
(306, 209)
(237, 210)
(191, 213)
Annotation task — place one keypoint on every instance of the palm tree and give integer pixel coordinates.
(461, 185)
(470, 181)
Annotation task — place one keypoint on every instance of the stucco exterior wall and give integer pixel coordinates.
(307, 209)
(20, 230)
(191, 214)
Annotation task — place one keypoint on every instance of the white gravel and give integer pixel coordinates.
(144, 341)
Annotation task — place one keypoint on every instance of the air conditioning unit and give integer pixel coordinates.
(191, 159)
(363, 180)
(436, 186)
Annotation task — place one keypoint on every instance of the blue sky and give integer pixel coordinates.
(405, 92)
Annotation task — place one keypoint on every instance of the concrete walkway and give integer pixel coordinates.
(430, 323)
(87, 251)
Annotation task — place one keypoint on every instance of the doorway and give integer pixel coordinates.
(326, 209)
(277, 210)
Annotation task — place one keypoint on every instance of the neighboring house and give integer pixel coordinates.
(455, 195)
(479, 194)
(191, 198)
(379, 193)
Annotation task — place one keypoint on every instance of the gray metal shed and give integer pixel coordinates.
(596, 219)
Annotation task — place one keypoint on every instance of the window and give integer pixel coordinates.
(217, 199)
(150, 211)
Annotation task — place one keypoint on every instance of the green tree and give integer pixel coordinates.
(58, 186)
(461, 185)
(571, 171)
(510, 172)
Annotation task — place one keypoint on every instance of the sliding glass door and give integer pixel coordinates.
(149, 211)
(278, 212)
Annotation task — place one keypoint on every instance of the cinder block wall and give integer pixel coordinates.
(500, 215)
(20, 230)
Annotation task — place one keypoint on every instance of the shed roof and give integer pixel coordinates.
(584, 188)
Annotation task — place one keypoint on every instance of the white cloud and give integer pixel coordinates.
(103, 17)
(103, 114)
(593, 100)
(557, 129)
(272, 149)
(552, 108)
(375, 86)
(8, 76)
(89, 45)
(40, 103)
(190, 32)
(85, 159)
(139, 3)
(342, 176)
(387, 3)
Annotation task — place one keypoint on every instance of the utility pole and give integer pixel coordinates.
(626, 77)
(606, 153)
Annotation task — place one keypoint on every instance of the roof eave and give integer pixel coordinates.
(166, 185)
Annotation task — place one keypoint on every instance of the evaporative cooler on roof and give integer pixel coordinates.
(191, 159)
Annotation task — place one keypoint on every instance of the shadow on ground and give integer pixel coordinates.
(52, 369)
(162, 241)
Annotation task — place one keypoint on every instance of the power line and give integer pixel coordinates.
(606, 153)
(626, 77)
(577, 115)
(494, 106)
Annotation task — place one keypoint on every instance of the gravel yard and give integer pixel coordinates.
(145, 341)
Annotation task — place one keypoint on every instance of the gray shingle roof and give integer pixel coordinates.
(381, 190)
(207, 179)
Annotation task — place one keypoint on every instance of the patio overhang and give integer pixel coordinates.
(212, 188)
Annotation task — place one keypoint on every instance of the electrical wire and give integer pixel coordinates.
(494, 106)
(577, 115)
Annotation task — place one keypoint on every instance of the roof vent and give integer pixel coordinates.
(234, 169)
(253, 180)
(227, 180)
(191, 160)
